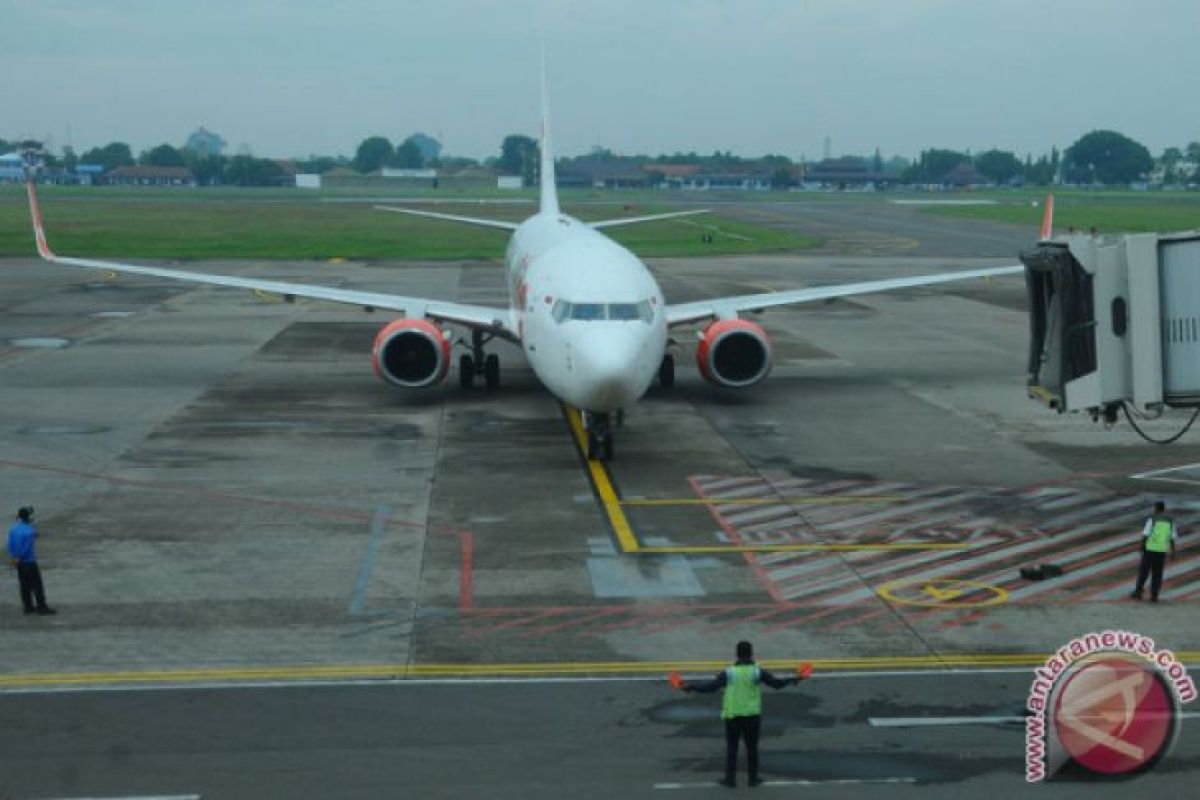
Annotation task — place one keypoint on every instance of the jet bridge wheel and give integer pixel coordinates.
(491, 371)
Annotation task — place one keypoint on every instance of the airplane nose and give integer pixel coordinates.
(606, 367)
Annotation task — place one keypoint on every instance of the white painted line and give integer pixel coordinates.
(1152, 474)
(713, 784)
(916, 722)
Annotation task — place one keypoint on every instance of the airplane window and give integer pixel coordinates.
(561, 310)
(645, 311)
(587, 311)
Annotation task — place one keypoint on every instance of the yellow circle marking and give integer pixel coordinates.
(941, 593)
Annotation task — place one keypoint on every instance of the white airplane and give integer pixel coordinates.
(590, 317)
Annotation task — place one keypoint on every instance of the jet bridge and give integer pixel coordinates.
(1115, 324)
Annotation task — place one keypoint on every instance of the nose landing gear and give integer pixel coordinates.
(600, 435)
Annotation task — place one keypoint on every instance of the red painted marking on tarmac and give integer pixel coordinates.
(855, 620)
(519, 621)
(584, 619)
(466, 585)
(770, 612)
(735, 537)
(789, 623)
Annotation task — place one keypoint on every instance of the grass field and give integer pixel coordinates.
(1109, 212)
(232, 223)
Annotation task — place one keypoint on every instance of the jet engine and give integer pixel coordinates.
(734, 353)
(412, 353)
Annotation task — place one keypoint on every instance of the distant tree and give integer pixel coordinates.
(318, 165)
(1193, 152)
(1171, 156)
(998, 166)
(1040, 172)
(162, 156)
(7, 147)
(373, 153)
(207, 169)
(782, 179)
(1106, 157)
(933, 165)
(111, 156)
(519, 156)
(896, 165)
(877, 162)
(431, 148)
(456, 163)
(69, 159)
(407, 156)
(246, 170)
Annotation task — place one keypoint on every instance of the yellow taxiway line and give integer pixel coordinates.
(366, 672)
(628, 541)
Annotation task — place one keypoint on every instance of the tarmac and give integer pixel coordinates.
(278, 576)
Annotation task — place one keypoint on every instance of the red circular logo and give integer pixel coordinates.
(1115, 715)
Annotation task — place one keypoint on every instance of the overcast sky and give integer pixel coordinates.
(288, 78)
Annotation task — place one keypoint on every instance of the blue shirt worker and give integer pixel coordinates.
(21, 553)
(741, 708)
(1158, 538)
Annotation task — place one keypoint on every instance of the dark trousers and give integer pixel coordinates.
(1152, 565)
(741, 728)
(30, 578)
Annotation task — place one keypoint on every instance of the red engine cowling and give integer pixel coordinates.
(734, 353)
(412, 353)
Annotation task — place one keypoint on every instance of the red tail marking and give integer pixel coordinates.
(39, 232)
(1048, 218)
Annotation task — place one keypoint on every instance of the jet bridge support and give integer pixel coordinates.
(1115, 324)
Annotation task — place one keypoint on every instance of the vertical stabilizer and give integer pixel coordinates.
(1047, 231)
(549, 189)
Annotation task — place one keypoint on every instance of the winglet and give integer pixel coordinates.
(1048, 219)
(35, 211)
(548, 186)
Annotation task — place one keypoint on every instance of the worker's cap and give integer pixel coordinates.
(25, 513)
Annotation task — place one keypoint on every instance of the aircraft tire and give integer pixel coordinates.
(491, 371)
(666, 372)
(466, 371)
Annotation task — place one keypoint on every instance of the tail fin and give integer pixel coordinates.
(1048, 219)
(548, 188)
(31, 161)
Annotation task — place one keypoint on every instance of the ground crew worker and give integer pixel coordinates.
(1158, 537)
(741, 708)
(23, 557)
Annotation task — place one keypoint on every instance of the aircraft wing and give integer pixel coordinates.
(483, 223)
(497, 320)
(731, 307)
(613, 223)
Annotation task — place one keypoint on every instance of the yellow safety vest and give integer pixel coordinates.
(1159, 540)
(743, 694)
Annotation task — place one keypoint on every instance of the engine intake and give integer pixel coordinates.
(412, 353)
(734, 353)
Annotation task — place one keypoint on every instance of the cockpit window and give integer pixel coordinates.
(623, 311)
(590, 312)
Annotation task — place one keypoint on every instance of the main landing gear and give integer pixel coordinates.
(475, 363)
(600, 434)
(666, 372)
